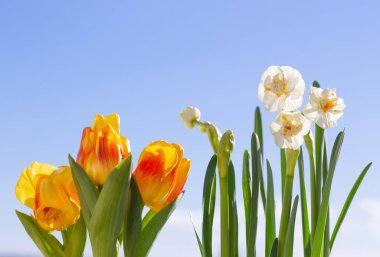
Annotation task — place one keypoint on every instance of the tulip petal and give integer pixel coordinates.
(26, 186)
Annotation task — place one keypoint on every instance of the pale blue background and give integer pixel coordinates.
(62, 62)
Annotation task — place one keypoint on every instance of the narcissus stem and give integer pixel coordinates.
(224, 240)
(291, 157)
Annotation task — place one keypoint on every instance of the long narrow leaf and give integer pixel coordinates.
(283, 170)
(304, 208)
(87, 192)
(289, 242)
(256, 169)
(46, 242)
(270, 214)
(273, 252)
(321, 224)
(109, 212)
(76, 239)
(347, 204)
(232, 209)
(209, 191)
(200, 245)
(326, 238)
(153, 227)
(259, 132)
(132, 221)
(247, 194)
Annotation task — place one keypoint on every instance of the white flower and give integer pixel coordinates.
(324, 107)
(281, 88)
(289, 129)
(190, 116)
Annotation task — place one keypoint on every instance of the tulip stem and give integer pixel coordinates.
(224, 240)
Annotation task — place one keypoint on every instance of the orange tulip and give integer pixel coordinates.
(161, 173)
(102, 148)
(51, 193)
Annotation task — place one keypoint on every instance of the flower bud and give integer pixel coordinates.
(225, 149)
(190, 116)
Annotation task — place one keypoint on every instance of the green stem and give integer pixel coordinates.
(224, 217)
(291, 157)
(314, 207)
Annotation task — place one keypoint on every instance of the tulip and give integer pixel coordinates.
(161, 173)
(52, 195)
(102, 148)
(281, 88)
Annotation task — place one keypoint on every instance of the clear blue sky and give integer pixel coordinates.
(62, 62)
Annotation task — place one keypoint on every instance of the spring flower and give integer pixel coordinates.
(281, 88)
(324, 107)
(102, 148)
(161, 173)
(190, 116)
(289, 129)
(52, 195)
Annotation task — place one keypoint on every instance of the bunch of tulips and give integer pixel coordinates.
(98, 194)
(281, 90)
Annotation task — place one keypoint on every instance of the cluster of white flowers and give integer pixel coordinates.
(281, 89)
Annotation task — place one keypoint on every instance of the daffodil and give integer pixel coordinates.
(281, 88)
(324, 107)
(190, 116)
(289, 129)
(51, 193)
(161, 173)
(102, 148)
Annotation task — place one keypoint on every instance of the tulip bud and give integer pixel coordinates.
(190, 116)
(102, 148)
(225, 149)
(161, 173)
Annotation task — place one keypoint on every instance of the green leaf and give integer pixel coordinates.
(273, 251)
(232, 209)
(319, 142)
(46, 242)
(256, 169)
(321, 224)
(304, 208)
(326, 238)
(108, 215)
(289, 241)
(246, 194)
(200, 245)
(259, 132)
(153, 227)
(270, 214)
(132, 221)
(316, 84)
(75, 239)
(347, 204)
(209, 191)
(87, 192)
(283, 170)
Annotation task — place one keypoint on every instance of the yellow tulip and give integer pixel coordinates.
(102, 148)
(52, 195)
(161, 173)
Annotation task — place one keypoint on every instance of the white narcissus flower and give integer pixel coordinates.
(324, 107)
(190, 116)
(281, 88)
(289, 129)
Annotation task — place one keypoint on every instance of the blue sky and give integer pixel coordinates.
(62, 62)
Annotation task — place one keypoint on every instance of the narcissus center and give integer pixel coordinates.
(278, 85)
(290, 128)
(328, 104)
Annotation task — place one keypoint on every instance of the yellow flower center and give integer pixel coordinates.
(328, 104)
(290, 128)
(278, 86)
